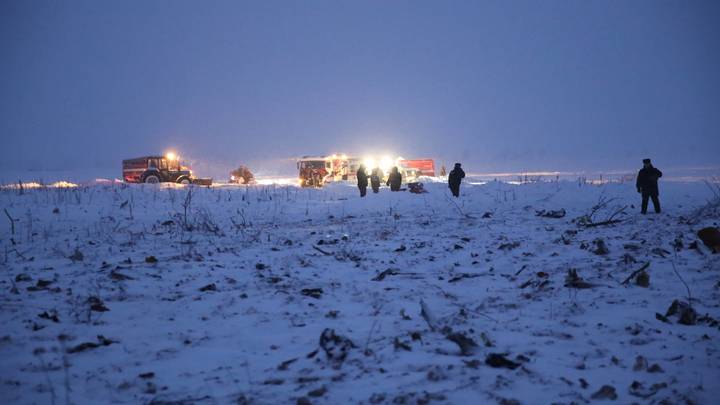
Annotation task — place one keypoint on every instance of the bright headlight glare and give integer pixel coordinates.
(386, 163)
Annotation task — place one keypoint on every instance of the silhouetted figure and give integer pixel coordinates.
(394, 179)
(647, 185)
(455, 178)
(362, 180)
(375, 177)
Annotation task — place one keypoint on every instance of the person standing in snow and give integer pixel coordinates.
(362, 180)
(647, 185)
(394, 179)
(375, 177)
(455, 178)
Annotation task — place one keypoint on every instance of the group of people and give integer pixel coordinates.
(395, 179)
(647, 182)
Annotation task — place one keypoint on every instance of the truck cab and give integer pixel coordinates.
(312, 171)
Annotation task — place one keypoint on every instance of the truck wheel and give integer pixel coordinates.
(184, 180)
(152, 179)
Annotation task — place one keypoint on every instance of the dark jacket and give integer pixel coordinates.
(362, 178)
(394, 180)
(375, 178)
(456, 176)
(647, 180)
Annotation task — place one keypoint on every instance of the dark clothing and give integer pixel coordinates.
(375, 180)
(394, 180)
(454, 180)
(362, 180)
(647, 185)
(647, 180)
(455, 190)
(362, 177)
(655, 200)
(416, 188)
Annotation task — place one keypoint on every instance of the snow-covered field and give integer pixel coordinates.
(142, 294)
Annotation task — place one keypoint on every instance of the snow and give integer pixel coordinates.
(227, 312)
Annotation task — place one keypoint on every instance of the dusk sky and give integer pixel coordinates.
(498, 85)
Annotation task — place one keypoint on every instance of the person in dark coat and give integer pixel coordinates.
(455, 178)
(394, 179)
(362, 179)
(647, 185)
(375, 177)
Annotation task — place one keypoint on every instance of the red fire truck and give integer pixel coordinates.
(424, 167)
(312, 171)
(316, 171)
